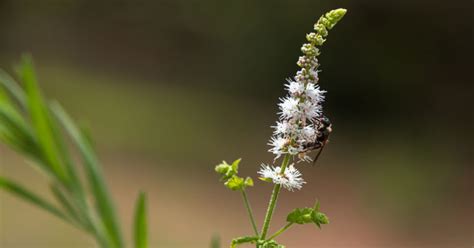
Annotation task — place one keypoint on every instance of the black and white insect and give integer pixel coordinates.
(324, 130)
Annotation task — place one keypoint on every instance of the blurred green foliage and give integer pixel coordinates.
(32, 127)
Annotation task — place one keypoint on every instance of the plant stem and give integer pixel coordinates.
(273, 199)
(283, 229)
(250, 212)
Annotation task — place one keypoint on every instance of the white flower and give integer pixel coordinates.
(290, 179)
(309, 133)
(295, 88)
(293, 150)
(311, 110)
(282, 127)
(295, 181)
(289, 107)
(314, 73)
(278, 144)
(314, 93)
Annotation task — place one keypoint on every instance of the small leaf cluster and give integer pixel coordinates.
(269, 244)
(229, 175)
(255, 240)
(307, 216)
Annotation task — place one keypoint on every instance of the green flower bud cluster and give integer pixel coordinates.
(310, 50)
(230, 178)
(326, 22)
(330, 19)
(308, 215)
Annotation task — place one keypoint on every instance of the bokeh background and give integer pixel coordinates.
(171, 88)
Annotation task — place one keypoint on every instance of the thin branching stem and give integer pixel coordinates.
(250, 212)
(282, 230)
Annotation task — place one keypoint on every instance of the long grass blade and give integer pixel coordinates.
(103, 202)
(141, 226)
(30, 197)
(67, 205)
(13, 88)
(216, 241)
(41, 121)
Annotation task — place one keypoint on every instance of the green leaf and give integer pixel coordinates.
(14, 130)
(67, 205)
(235, 183)
(300, 216)
(269, 244)
(319, 218)
(15, 127)
(216, 241)
(222, 168)
(266, 179)
(248, 182)
(235, 165)
(102, 199)
(9, 84)
(228, 170)
(243, 240)
(308, 215)
(41, 121)
(140, 230)
(317, 206)
(32, 198)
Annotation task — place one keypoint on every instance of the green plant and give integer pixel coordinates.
(301, 128)
(36, 129)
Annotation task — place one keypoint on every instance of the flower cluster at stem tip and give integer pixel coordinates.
(301, 110)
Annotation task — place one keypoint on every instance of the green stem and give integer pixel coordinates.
(273, 199)
(283, 229)
(250, 212)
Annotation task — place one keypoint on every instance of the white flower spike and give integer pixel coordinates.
(301, 112)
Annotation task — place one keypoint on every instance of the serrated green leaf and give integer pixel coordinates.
(141, 227)
(300, 216)
(320, 218)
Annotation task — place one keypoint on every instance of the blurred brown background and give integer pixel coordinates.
(170, 88)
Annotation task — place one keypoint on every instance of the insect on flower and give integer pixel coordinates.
(324, 130)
